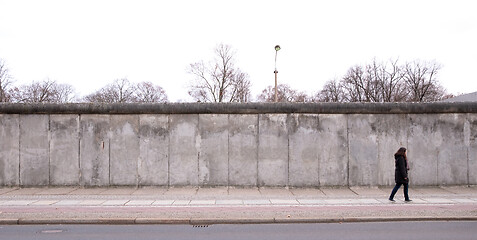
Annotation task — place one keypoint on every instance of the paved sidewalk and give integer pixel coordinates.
(231, 205)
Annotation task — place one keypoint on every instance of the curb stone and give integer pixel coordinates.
(185, 221)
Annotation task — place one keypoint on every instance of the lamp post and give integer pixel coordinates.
(277, 47)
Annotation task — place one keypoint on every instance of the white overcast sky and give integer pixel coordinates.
(89, 43)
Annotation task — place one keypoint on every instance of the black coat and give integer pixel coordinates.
(401, 170)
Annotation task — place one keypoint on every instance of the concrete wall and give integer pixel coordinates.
(213, 148)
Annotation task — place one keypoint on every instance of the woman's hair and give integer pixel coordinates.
(401, 152)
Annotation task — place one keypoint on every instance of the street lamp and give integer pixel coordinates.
(277, 47)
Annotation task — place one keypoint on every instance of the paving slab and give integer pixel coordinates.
(119, 191)
(24, 191)
(115, 202)
(18, 202)
(244, 192)
(284, 201)
(185, 191)
(229, 202)
(338, 192)
(282, 192)
(44, 203)
(139, 203)
(181, 202)
(307, 192)
(202, 202)
(433, 191)
(88, 191)
(92, 202)
(311, 201)
(151, 191)
(461, 190)
(216, 192)
(163, 202)
(7, 190)
(57, 191)
(257, 202)
(67, 203)
(341, 201)
(438, 200)
(463, 200)
(367, 191)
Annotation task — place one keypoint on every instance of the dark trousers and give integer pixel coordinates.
(396, 188)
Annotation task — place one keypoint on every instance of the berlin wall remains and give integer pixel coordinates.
(253, 144)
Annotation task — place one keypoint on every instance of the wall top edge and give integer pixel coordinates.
(238, 108)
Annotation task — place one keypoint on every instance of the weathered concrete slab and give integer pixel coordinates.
(124, 153)
(437, 155)
(424, 140)
(273, 150)
(333, 150)
(392, 130)
(470, 141)
(363, 150)
(303, 135)
(94, 150)
(452, 153)
(64, 150)
(34, 148)
(184, 150)
(243, 150)
(153, 166)
(9, 150)
(214, 150)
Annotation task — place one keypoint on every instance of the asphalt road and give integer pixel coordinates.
(386, 230)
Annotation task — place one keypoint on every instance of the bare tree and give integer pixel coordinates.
(332, 92)
(380, 82)
(5, 82)
(219, 81)
(47, 91)
(285, 94)
(148, 92)
(421, 81)
(120, 91)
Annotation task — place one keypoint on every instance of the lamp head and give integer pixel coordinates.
(277, 47)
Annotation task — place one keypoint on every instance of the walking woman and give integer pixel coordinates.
(401, 176)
